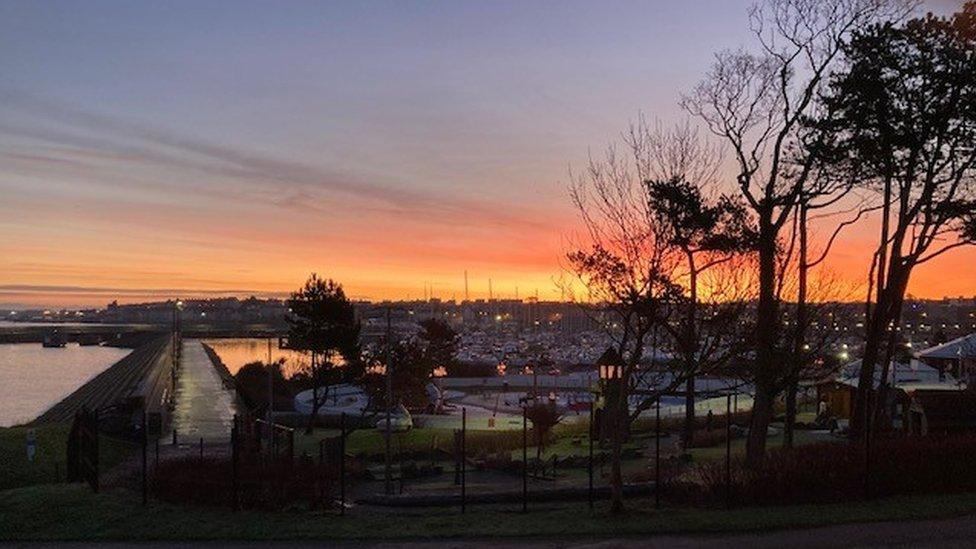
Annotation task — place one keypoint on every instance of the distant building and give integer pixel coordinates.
(838, 391)
(956, 358)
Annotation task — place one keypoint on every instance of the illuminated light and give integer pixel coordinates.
(843, 356)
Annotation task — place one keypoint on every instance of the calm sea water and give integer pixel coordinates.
(33, 378)
(237, 352)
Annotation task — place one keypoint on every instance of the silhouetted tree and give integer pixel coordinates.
(322, 322)
(440, 343)
(544, 417)
(707, 233)
(411, 370)
(252, 384)
(906, 112)
(756, 102)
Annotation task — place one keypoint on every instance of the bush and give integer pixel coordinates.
(261, 484)
(838, 472)
(708, 439)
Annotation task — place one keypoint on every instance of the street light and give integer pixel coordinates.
(611, 371)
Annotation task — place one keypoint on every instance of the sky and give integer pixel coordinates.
(156, 149)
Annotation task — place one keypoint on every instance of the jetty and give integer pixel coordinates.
(140, 382)
(205, 400)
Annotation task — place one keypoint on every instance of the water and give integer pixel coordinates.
(236, 352)
(34, 378)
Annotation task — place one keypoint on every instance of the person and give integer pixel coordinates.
(708, 421)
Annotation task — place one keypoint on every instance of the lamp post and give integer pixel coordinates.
(611, 369)
(177, 306)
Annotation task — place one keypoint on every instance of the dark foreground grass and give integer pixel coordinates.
(63, 512)
(49, 462)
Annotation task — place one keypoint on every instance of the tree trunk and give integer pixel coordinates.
(767, 329)
(762, 415)
(316, 402)
(616, 476)
(900, 284)
(789, 424)
(874, 322)
(690, 347)
(799, 340)
(689, 431)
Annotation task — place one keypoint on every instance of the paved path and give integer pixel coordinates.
(204, 407)
(955, 532)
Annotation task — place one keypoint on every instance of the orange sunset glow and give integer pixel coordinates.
(140, 164)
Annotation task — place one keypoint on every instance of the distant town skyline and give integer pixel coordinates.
(153, 150)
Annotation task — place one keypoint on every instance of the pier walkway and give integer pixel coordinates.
(204, 406)
(138, 382)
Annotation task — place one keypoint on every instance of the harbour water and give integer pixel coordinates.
(237, 352)
(33, 378)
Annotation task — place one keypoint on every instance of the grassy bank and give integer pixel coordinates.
(62, 512)
(49, 462)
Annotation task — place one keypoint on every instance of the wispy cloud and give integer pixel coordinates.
(285, 183)
(22, 289)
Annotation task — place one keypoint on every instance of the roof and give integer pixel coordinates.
(961, 347)
(916, 375)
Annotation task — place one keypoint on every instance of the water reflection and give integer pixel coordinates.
(32, 378)
(235, 353)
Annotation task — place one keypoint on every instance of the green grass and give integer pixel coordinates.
(372, 443)
(49, 462)
(72, 512)
(717, 452)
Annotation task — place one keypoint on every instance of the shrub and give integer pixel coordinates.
(261, 484)
(708, 439)
(836, 472)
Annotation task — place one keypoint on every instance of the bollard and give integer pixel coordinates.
(201, 448)
(174, 436)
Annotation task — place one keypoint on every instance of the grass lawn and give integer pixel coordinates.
(72, 512)
(372, 443)
(49, 463)
(717, 452)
